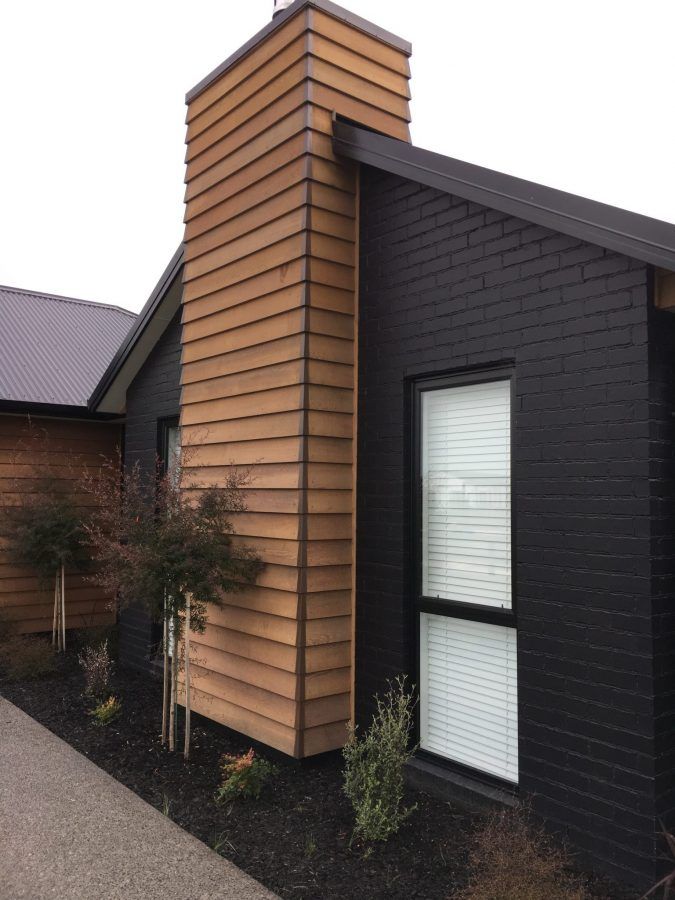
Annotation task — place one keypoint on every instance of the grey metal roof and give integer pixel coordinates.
(53, 350)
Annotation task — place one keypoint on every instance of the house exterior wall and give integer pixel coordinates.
(70, 445)
(445, 286)
(153, 395)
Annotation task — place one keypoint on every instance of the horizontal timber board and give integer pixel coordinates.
(244, 383)
(277, 257)
(347, 58)
(248, 359)
(328, 683)
(251, 218)
(249, 646)
(365, 45)
(326, 710)
(284, 276)
(249, 671)
(324, 738)
(252, 724)
(249, 64)
(273, 706)
(269, 72)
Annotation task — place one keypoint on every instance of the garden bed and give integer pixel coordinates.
(295, 839)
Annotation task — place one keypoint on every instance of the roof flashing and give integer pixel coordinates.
(281, 18)
(640, 237)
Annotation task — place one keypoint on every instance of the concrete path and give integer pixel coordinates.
(70, 831)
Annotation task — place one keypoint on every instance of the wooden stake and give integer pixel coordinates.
(56, 607)
(165, 679)
(186, 645)
(63, 606)
(174, 691)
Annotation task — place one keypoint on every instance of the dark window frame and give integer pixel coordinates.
(420, 603)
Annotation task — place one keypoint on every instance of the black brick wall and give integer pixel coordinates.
(154, 394)
(447, 285)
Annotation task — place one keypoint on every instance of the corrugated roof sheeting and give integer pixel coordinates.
(55, 349)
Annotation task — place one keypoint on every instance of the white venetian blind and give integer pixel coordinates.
(466, 493)
(468, 693)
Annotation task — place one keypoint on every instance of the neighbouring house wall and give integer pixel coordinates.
(447, 285)
(70, 444)
(268, 360)
(153, 395)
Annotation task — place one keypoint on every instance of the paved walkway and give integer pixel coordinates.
(70, 831)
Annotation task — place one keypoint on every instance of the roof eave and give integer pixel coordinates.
(640, 237)
(144, 318)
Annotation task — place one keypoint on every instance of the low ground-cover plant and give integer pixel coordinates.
(511, 858)
(107, 711)
(24, 657)
(243, 776)
(374, 764)
(97, 668)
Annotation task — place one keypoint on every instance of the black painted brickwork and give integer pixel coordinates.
(447, 285)
(154, 394)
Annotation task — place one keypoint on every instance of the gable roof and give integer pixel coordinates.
(53, 349)
(637, 236)
(109, 394)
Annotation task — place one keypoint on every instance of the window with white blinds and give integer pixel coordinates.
(468, 693)
(466, 493)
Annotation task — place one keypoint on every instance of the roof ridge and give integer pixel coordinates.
(63, 298)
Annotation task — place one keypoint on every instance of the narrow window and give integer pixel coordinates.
(467, 650)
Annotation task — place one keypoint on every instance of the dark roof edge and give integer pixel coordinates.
(325, 6)
(54, 410)
(138, 328)
(641, 237)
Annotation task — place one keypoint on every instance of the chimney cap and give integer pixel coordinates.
(280, 6)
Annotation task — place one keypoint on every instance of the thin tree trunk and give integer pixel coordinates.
(165, 680)
(56, 608)
(186, 645)
(63, 606)
(174, 691)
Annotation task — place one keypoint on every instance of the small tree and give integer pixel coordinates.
(167, 546)
(42, 526)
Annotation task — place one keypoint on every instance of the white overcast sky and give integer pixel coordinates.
(575, 94)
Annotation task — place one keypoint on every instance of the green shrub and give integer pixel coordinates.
(374, 764)
(512, 858)
(243, 776)
(106, 712)
(25, 657)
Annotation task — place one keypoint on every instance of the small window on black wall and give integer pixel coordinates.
(463, 589)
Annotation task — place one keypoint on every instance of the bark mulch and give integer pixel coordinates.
(296, 838)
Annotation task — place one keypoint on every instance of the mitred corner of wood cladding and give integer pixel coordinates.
(269, 357)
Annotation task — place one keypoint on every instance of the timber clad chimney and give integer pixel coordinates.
(268, 364)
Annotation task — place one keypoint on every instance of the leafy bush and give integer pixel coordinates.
(23, 657)
(243, 776)
(374, 766)
(513, 858)
(106, 712)
(97, 667)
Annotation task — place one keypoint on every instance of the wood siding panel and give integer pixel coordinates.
(72, 445)
(268, 361)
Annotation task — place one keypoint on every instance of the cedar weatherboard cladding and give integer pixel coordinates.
(446, 285)
(154, 394)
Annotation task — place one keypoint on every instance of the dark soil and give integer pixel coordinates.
(295, 838)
